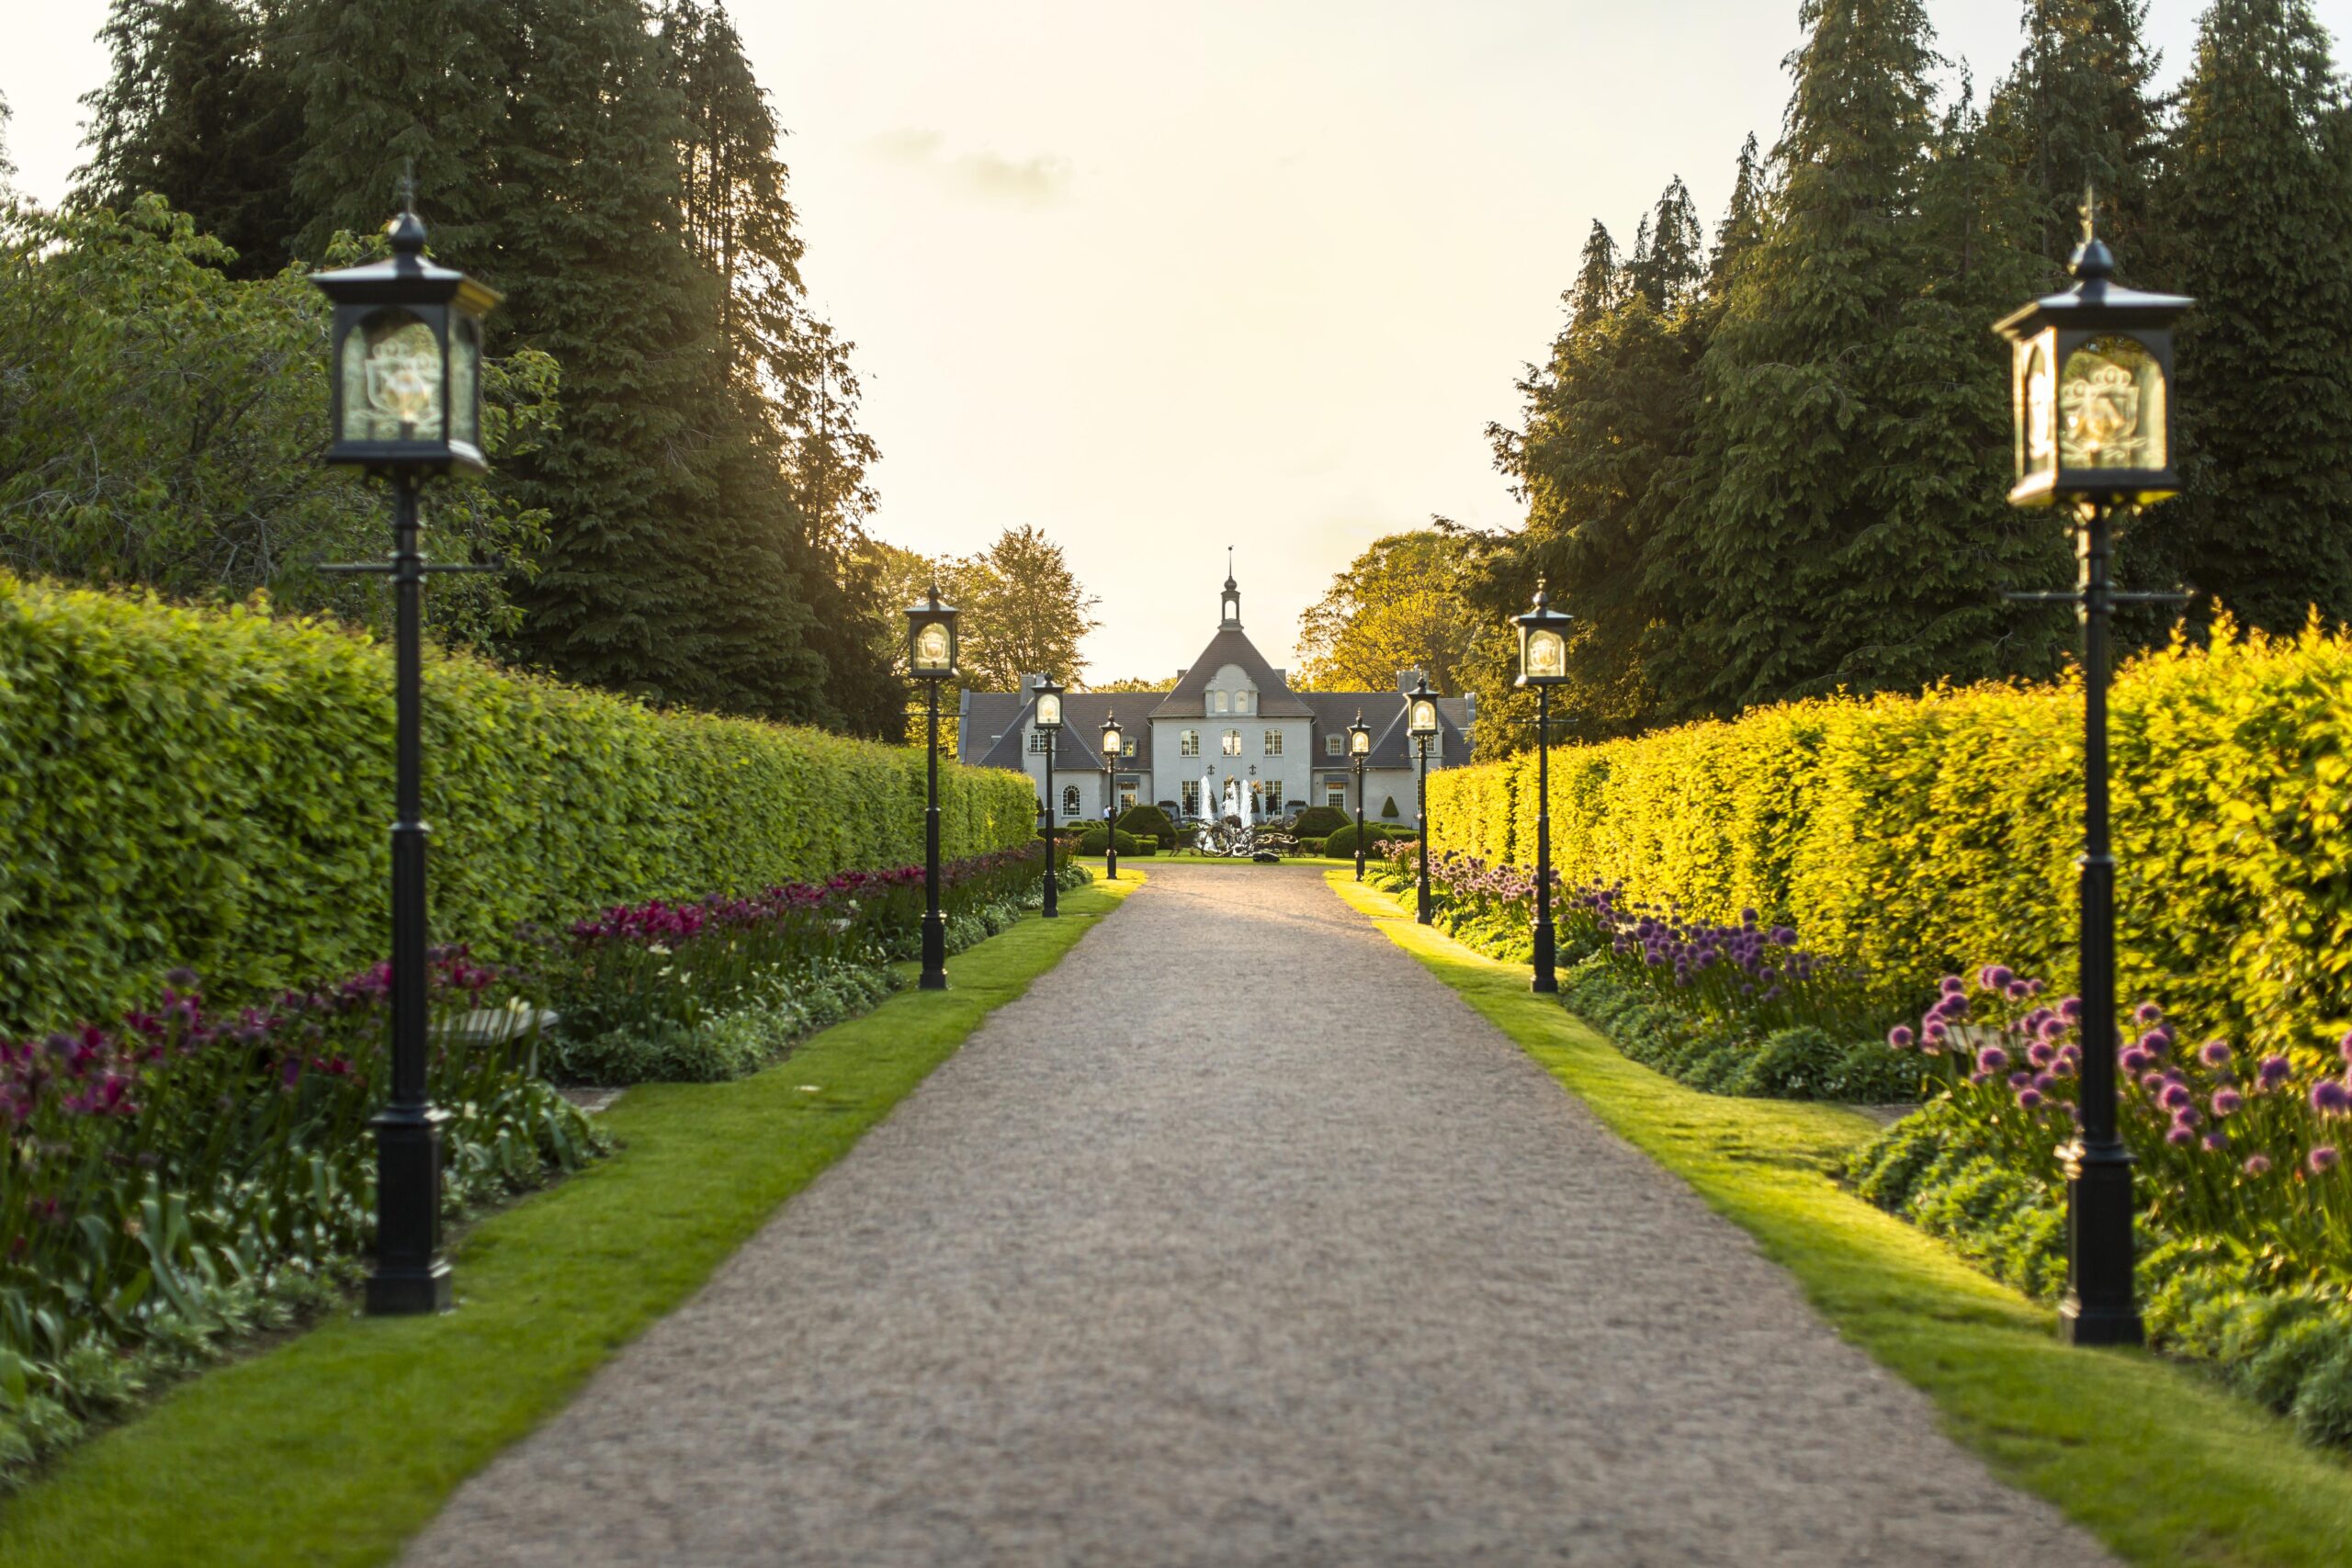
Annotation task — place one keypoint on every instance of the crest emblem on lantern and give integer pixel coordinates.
(2100, 405)
(405, 375)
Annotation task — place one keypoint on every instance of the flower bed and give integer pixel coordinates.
(718, 986)
(188, 1174)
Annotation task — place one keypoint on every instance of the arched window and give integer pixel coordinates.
(1241, 702)
(1069, 801)
(1218, 701)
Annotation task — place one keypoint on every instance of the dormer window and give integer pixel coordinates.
(1241, 702)
(1218, 702)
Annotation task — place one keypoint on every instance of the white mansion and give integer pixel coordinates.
(1230, 717)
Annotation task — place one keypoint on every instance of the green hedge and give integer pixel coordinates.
(210, 789)
(1938, 832)
(1146, 820)
(1319, 822)
(1342, 843)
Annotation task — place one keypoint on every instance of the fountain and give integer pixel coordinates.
(1229, 829)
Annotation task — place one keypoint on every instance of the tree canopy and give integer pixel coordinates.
(1399, 606)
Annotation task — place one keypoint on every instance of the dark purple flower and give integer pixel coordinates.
(2330, 1098)
(1991, 1059)
(1994, 977)
(2216, 1142)
(2071, 1009)
(2147, 1013)
(2173, 1096)
(2179, 1136)
(2227, 1101)
(2214, 1052)
(1901, 1037)
(1951, 983)
(2030, 1098)
(2256, 1165)
(2274, 1071)
(2133, 1059)
(2322, 1157)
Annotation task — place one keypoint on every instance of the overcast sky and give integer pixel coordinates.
(1165, 278)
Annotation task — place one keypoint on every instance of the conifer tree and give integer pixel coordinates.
(1743, 223)
(2078, 109)
(200, 107)
(1669, 268)
(1837, 507)
(2257, 197)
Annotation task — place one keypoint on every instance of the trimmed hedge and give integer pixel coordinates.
(1319, 822)
(210, 789)
(1149, 822)
(1341, 844)
(1935, 833)
(1092, 841)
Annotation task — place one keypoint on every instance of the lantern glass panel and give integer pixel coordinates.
(1049, 711)
(930, 646)
(2112, 406)
(391, 381)
(2036, 408)
(1360, 742)
(1546, 656)
(465, 381)
(1111, 743)
(1425, 718)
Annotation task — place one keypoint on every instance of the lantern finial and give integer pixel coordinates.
(2093, 262)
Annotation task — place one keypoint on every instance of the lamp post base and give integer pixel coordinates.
(1547, 980)
(409, 1276)
(2098, 1308)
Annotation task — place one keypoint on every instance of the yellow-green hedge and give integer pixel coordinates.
(1932, 833)
(213, 789)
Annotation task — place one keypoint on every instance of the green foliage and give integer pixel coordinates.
(1145, 820)
(207, 789)
(1096, 836)
(1320, 821)
(2257, 190)
(1388, 808)
(1927, 835)
(1341, 843)
(1398, 607)
(159, 425)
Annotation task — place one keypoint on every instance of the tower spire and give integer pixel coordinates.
(1229, 606)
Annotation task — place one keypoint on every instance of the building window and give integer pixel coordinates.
(1037, 741)
(1334, 746)
(1126, 799)
(1336, 797)
(1233, 743)
(1216, 702)
(1273, 798)
(1191, 744)
(1192, 798)
(1069, 801)
(1241, 702)
(1273, 743)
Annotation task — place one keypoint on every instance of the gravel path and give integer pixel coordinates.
(1241, 1240)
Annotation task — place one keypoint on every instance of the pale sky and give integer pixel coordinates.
(1162, 279)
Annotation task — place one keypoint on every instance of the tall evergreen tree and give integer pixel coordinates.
(1669, 266)
(200, 107)
(1743, 224)
(2079, 109)
(1837, 509)
(2258, 196)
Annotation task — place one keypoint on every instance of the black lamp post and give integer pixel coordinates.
(1049, 724)
(930, 658)
(2091, 382)
(406, 404)
(1420, 722)
(1359, 748)
(1544, 664)
(1113, 742)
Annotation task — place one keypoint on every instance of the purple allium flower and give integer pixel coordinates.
(2147, 1013)
(2071, 1009)
(2273, 1072)
(2152, 1082)
(1980, 1078)
(2186, 1116)
(2179, 1136)
(1991, 1059)
(2322, 1157)
(2227, 1101)
(2040, 1054)
(2021, 1080)
(2214, 1052)
(2173, 1096)
(2045, 1081)
(2157, 1039)
(2030, 1098)
(2133, 1059)
(1901, 1037)
(1935, 1030)
(1949, 983)
(2256, 1165)
(2330, 1098)
(2216, 1142)
(185, 980)
(2053, 1027)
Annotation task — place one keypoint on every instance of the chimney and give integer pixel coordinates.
(1407, 680)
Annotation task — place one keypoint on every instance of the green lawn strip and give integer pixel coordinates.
(335, 1447)
(2162, 1463)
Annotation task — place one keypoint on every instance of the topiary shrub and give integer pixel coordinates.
(1319, 822)
(1149, 822)
(1092, 841)
(1342, 841)
(1311, 846)
(1388, 808)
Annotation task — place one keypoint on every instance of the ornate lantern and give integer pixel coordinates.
(1543, 643)
(2091, 388)
(1422, 718)
(406, 392)
(1049, 705)
(1114, 744)
(1359, 737)
(930, 638)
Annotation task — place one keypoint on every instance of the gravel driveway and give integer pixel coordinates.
(1240, 1240)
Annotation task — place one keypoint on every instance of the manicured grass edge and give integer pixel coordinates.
(336, 1447)
(2160, 1462)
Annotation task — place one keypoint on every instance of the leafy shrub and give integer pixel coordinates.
(1342, 841)
(1319, 822)
(1147, 821)
(208, 789)
(1096, 836)
(1388, 808)
(1312, 846)
(1912, 835)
